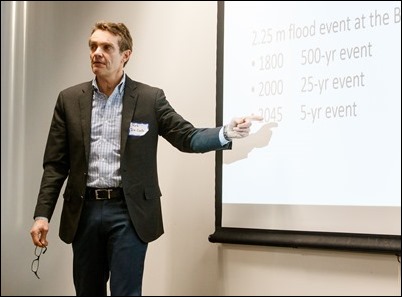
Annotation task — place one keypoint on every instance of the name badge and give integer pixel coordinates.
(138, 129)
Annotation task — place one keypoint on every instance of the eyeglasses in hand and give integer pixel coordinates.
(35, 263)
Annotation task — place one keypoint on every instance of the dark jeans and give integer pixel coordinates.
(106, 243)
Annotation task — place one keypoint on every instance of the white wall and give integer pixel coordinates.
(44, 49)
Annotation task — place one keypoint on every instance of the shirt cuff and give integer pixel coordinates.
(42, 218)
(222, 138)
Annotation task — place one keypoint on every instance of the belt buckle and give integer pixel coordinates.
(102, 190)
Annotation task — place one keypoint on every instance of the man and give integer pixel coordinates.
(103, 137)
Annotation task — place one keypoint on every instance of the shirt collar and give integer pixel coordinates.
(120, 86)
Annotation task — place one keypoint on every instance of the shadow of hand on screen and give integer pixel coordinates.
(242, 147)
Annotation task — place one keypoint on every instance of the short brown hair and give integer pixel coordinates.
(118, 29)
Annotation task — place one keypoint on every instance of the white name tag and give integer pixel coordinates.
(138, 129)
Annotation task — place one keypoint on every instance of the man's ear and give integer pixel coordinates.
(127, 55)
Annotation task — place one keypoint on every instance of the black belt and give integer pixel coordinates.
(104, 193)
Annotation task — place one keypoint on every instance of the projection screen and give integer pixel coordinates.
(323, 168)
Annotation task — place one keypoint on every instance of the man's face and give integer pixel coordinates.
(106, 59)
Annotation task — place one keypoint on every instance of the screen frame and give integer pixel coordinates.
(373, 243)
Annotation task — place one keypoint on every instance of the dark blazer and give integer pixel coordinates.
(67, 152)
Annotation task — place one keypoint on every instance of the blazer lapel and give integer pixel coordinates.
(85, 102)
(129, 102)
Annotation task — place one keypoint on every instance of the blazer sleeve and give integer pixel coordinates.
(181, 133)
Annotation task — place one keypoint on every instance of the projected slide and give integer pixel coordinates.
(326, 78)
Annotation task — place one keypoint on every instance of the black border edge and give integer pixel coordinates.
(219, 112)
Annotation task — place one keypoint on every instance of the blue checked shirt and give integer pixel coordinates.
(104, 156)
